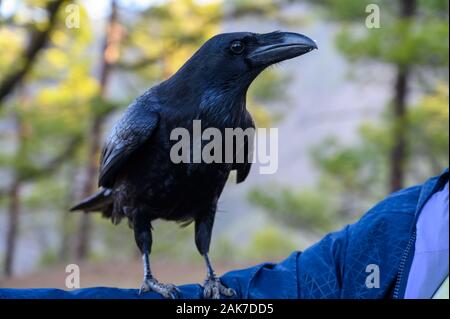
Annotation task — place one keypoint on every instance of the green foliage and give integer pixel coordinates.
(356, 176)
(298, 210)
(400, 43)
(359, 171)
(164, 36)
(428, 124)
(353, 177)
(49, 118)
(225, 250)
(262, 7)
(417, 41)
(50, 257)
(46, 194)
(174, 241)
(349, 10)
(269, 87)
(10, 47)
(350, 169)
(270, 243)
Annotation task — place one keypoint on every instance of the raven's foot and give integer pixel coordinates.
(212, 289)
(166, 290)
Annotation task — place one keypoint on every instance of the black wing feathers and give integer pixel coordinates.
(131, 132)
(243, 169)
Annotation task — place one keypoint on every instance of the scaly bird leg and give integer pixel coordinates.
(143, 237)
(213, 287)
(151, 284)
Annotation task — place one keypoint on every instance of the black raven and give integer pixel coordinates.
(139, 180)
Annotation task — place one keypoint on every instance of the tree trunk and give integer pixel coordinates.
(12, 231)
(398, 151)
(66, 224)
(89, 186)
(13, 227)
(109, 57)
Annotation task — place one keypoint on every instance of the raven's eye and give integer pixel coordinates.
(237, 47)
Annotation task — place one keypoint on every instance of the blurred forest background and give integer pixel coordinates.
(363, 116)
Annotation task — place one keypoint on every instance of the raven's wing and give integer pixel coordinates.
(242, 169)
(130, 133)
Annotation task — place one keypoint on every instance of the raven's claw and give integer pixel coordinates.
(166, 290)
(213, 288)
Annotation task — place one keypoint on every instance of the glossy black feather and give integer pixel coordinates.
(130, 133)
(243, 168)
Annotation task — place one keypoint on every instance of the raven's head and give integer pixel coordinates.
(236, 59)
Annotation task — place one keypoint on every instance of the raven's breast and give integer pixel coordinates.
(172, 191)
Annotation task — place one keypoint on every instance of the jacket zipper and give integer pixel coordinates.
(402, 265)
(412, 240)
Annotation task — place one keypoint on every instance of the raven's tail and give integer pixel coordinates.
(101, 201)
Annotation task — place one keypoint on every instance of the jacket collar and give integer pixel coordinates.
(430, 187)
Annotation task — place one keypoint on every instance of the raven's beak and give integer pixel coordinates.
(279, 46)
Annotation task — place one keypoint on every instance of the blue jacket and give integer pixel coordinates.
(335, 267)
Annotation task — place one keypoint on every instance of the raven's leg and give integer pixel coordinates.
(212, 287)
(143, 237)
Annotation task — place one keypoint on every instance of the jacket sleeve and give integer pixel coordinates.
(296, 276)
